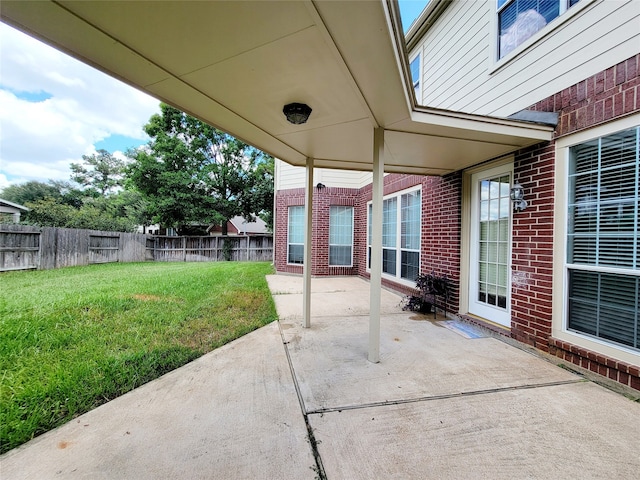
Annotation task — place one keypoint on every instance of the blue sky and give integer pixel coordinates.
(409, 11)
(55, 109)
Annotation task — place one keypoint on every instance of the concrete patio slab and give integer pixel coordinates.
(439, 405)
(231, 414)
(442, 405)
(418, 356)
(564, 431)
(418, 359)
(334, 296)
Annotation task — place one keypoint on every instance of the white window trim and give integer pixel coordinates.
(496, 63)
(465, 227)
(397, 278)
(341, 245)
(560, 267)
(289, 234)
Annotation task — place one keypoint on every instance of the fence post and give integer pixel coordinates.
(184, 249)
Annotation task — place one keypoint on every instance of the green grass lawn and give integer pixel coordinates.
(75, 338)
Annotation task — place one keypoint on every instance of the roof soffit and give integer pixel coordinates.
(235, 64)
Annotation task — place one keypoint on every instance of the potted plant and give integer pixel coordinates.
(428, 286)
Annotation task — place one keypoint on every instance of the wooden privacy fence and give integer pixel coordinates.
(211, 249)
(24, 247)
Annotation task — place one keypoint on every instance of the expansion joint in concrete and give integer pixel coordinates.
(442, 397)
(319, 467)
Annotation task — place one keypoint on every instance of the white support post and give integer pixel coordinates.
(376, 246)
(308, 231)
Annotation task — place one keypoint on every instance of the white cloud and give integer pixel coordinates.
(78, 106)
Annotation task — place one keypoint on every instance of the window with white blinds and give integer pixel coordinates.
(603, 243)
(295, 235)
(340, 236)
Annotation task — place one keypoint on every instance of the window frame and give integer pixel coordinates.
(397, 247)
(350, 245)
(417, 89)
(561, 266)
(289, 243)
(566, 13)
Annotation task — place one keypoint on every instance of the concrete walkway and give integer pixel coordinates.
(444, 402)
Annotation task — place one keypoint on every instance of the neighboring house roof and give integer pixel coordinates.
(8, 204)
(241, 224)
(356, 80)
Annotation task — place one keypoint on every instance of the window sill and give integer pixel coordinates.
(600, 346)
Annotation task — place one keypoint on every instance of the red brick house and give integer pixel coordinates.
(412, 144)
(570, 280)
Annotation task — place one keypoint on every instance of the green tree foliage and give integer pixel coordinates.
(30, 192)
(102, 172)
(191, 172)
(263, 191)
(113, 213)
(62, 204)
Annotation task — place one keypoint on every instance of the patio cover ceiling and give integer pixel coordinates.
(235, 65)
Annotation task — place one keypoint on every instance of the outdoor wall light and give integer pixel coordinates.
(517, 196)
(297, 113)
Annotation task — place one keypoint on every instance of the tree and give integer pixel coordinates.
(102, 213)
(102, 172)
(263, 191)
(61, 204)
(30, 192)
(193, 173)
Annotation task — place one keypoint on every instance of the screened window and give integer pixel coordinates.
(518, 20)
(341, 236)
(295, 235)
(603, 243)
(401, 223)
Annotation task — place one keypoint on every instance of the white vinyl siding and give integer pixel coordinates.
(295, 235)
(459, 55)
(288, 176)
(340, 236)
(603, 239)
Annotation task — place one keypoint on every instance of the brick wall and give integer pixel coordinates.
(441, 223)
(323, 199)
(440, 228)
(532, 248)
(608, 95)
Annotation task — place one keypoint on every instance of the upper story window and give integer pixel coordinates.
(414, 66)
(518, 20)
